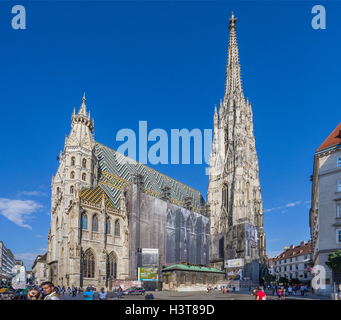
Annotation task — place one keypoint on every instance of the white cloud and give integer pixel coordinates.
(268, 210)
(32, 193)
(39, 236)
(18, 211)
(42, 249)
(292, 204)
(307, 201)
(284, 211)
(28, 258)
(274, 240)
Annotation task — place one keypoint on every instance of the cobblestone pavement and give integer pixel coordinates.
(217, 295)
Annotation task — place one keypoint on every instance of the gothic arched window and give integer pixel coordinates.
(84, 176)
(95, 223)
(84, 163)
(225, 198)
(73, 161)
(57, 191)
(117, 228)
(107, 226)
(89, 264)
(112, 265)
(71, 189)
(84, 223)
(72, 175)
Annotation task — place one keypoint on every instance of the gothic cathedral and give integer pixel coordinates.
(234, 192)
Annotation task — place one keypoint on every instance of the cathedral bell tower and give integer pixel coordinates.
(78, 166)
(234, 192)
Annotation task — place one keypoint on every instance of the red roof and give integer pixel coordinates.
(333, 139)
(294, 252)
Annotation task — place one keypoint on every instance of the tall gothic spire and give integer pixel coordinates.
(233, 83)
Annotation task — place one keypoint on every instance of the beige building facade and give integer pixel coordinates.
(325, 212)
(39, 274)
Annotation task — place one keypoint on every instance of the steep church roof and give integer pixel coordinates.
(116, 171)
(94, 196)
(333, 139)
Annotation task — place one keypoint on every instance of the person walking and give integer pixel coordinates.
(279, 294)
(74, 291)
(102, 295)
(260, 294)
(302, 290)
(119, 293)
(63, 290)
(69, 291)
(88, 294)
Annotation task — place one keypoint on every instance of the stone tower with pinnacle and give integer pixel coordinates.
(234, 192)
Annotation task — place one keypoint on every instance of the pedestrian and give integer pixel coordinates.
(279, 294)
(260, 294)
(79, 290)
(254, 292)
(102, 295)
(69, 291)
(63, 290)
(119, 293)
(234, 288)
(49, 291)
(283, 293)
(74, 291)
(290, 291)
(223, 290)
(88, 294)
(302, 290)
(33, 294)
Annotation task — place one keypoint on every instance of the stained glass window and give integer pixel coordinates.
(89, 264)
(117, 228)
(112, 265)
(84, 221)
(95, 223)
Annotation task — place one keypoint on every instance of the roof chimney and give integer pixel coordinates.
(292, 246)
(302, 243)
(286, 248)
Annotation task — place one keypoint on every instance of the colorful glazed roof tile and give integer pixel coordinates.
(94, 196)
(333, 139)
(116, 174)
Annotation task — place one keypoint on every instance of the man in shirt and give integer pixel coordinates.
(260, 294)
(49, 291)
(88, 294)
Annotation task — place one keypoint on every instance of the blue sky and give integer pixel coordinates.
(163, 62)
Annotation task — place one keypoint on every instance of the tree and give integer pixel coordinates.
(334, 261)
(283, 280)
(295, 281)
(269, 278)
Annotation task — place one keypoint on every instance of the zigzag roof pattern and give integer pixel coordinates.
(116, 174)
(94, 195)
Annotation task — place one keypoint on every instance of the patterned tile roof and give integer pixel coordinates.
(94, 196)
(116, 174)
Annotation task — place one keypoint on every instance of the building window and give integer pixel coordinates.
(182, 279)
(225, 197)
(107, 226)
(57, 191)
(338, 235)
(84, 176)
(285, 268)
(166, 279)
(72, 175)
(73, 161)
(194, 279)
(339, 186)
(84, 163)
(117, 228)
(285, 261)
(95, 223)
(296, 266)
(84, 223)
(290, 268)
(112, 265)
(89, 264)
(338, 213)
(339, 161)
(214, 279)
(296, 258)
(71, 189)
